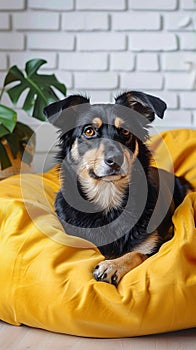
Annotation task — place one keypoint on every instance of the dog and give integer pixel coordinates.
(110, 194)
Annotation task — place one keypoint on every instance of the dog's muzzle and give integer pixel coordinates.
(114, 160)
(110, 166)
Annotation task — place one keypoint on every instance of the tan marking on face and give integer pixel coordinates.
(107, 192)
(74, 151)
(118, 122)
(136, 152)
(90, 159)
(97, 122)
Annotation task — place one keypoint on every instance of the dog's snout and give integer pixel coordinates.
(114, 159)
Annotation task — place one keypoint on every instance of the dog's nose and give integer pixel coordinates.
(114, 160)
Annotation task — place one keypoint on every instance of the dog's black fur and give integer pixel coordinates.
(141, 219)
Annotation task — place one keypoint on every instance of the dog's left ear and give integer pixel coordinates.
(70, 101)
(145, 104)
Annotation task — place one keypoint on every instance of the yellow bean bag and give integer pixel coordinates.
(46, 276)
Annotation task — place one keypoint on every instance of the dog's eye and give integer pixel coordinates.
(89, 131)
(124, 132)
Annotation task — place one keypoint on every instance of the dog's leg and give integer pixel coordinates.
(112, 271)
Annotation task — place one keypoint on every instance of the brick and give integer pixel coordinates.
(83, 61)
(36, 20)
(96, 96)
(180, 21)
(57, 5)
(101, 5)
(12, 5)
(50, 41)
(136, 21)
(4, 21)
(187, 41)
(188, 100)
(167, 5)
(179, 81)
(123, 61)
(3, 61)
(101, 41)
(152, 42)
(188, 5)
(11, 41)
(20, 58)
(96, 81)
(178, 61)
(147, 62)
(175, 119)
(134, 81)
(83, 21)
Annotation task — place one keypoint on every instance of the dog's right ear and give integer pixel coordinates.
(145, 104)
(56, 107)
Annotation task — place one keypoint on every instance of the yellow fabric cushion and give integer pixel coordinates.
(46, 275)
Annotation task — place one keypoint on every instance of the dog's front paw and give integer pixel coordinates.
(107, 271)
(112, 271)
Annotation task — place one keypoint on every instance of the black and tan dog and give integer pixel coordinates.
(110, 195)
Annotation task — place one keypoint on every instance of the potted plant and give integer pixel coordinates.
(17, 140)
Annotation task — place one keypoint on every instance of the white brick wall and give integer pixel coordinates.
(148, 62)
(101, 5)
(101, 48)
(36, 21)
(12, 41)
(188, 5)
(152, 42)
(12, 5)
(82, 61)
(101, 42)
(178, 61)
(166, 5)
(50, 41)
(122, 61)
(4, 21)
(187, 41)
(106, 80)
(57, 5)
(136, 21)
(143, 81)
(74, 21)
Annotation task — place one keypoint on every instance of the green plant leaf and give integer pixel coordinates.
(21, 140)
(8, 118)
(4, 159)
(3, 131)
(29, 102)
(16, 91)
(41, 87)
(33, 65)
(13, 74)
(26, 140)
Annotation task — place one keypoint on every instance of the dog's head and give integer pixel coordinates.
(100, 143)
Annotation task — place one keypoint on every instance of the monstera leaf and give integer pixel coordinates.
(40, 88)
(8, 119)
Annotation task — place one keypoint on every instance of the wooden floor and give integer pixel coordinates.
(23, 338)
